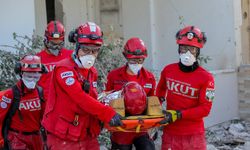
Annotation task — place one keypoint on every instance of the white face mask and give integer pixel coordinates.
(135, 68)
(30, 79)
(87, 61)
(187, 59)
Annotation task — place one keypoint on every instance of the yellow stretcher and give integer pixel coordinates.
(140, 123)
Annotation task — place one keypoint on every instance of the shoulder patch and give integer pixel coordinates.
(67, 74)
(210, 94)
(3, 105)
(6, 99)
(94, 84)
(69, 81)
(148, 85)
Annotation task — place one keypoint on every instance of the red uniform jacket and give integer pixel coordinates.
(30, 108)
(67, 99)
(50, 61)
(191, 93)
(118, 77)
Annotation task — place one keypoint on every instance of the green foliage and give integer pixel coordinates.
(203, 59)
(104, 138)
(7, 76)
(109, 58)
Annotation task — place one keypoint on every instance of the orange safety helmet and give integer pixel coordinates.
(135, 98)
(54, 30)
(191, 36)
(135, 48)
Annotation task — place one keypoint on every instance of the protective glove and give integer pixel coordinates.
(116, 120)
(170, 116)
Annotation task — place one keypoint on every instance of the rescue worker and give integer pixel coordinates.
(135, 52)
(21, 107)
(189, 92)
(72, 112)
(53, 51)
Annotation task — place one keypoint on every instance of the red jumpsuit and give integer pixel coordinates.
(116, 79)
(191, 93)
(23, 134)
(68, 103)
(50, 61)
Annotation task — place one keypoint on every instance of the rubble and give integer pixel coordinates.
(230, 135)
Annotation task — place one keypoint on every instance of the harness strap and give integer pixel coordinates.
(13, 107)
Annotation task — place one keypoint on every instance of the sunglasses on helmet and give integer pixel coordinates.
(90, 36)
(190, 35)
(32, 66)
(137, 52)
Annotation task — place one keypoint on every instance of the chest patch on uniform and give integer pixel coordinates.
(210, 94)
(94, 84)
(3, 105)
(70, 81)
(148, 85)
(67, 74)
(31, 105)
(6, 99)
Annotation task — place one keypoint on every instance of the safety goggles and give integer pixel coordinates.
(32, 66)
(184, 48)
(136, 61)
(31, 76)
(89, 49)
(137, 52)
(53, 45)
(90, 36)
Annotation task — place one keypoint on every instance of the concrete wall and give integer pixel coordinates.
(110, 18)
(77, 12)
(40, 17)
(226, 104)
(16, 16)
(157, 24)
(244, 91)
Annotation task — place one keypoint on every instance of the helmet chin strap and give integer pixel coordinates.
(76, 60)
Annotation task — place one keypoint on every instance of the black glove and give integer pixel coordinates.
(116, 120)
(170, 116)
